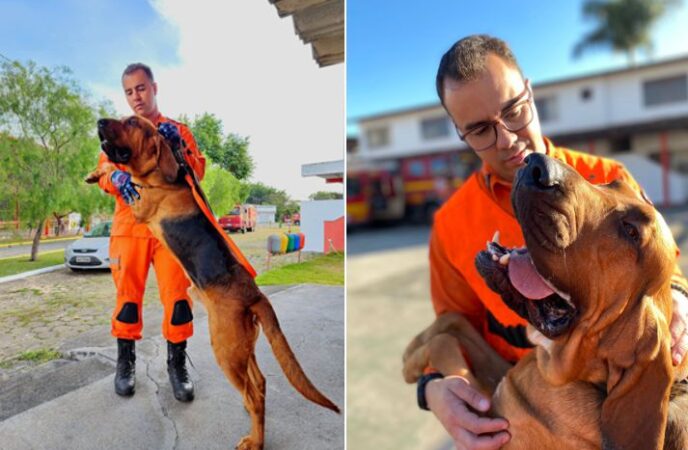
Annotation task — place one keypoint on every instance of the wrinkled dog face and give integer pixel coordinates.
(132, 141)
(588, 248)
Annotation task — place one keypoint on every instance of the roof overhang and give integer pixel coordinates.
(319, 23)
(331, 171)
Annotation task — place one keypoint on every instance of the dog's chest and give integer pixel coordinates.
(201, 250)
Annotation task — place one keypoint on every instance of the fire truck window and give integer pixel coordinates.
(439, 166)
(416, 169)
(353, 187)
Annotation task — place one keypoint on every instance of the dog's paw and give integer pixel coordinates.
(246, 443)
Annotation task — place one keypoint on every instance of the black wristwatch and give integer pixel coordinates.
(420, 391)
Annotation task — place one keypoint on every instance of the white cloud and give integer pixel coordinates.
(240, 61)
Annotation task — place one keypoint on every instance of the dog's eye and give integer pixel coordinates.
(631, 231)
(132, 122)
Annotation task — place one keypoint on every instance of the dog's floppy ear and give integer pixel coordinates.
(634, 414)
(166, 162)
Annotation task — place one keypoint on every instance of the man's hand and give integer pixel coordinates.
(171, 134)
(122, 181)
(678, 327)
(455, 402)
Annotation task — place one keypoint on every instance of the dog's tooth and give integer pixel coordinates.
(504, 259)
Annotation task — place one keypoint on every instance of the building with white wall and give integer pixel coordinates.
(641, 111)
(266, 214)
(322, 221)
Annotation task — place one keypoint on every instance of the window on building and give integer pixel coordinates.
(665, 90)
(586, 94)
(377, 137)
(620, 144)
(546, 108)
(434, 128)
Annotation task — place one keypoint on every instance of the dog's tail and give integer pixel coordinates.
(285, 357)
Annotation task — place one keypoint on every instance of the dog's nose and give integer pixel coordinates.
(541, 171)
(102, 123)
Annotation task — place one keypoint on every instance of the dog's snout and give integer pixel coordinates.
(541, 172)
(102, 123)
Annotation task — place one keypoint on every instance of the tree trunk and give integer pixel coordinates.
(36, 240)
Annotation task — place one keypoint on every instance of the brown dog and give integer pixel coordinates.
(601, 373)
(235, 304)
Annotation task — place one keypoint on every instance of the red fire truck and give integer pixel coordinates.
(412, 187)
(242, 218)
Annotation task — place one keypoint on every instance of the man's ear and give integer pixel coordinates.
(634, 414)
(166, 162)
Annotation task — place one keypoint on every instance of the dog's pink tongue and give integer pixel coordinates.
(526, 279)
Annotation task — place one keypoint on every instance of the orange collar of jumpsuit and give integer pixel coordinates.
(498, 188)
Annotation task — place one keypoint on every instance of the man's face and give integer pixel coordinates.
(485, 99)
(140, 93)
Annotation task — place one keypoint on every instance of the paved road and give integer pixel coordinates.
(19, 250)
(387, 304)
(92, 416)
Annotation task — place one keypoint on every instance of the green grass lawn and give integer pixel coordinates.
(326, 269)
(19, 264)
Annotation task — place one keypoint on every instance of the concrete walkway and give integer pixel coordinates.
(93, 417)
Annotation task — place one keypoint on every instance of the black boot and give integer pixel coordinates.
(176, 368)
(125, 377)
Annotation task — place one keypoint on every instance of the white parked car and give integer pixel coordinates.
(91, 251)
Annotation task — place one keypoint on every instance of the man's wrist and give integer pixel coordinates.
(421, 385)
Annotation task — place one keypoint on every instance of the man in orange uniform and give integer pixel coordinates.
(133, 248)
(491, 104)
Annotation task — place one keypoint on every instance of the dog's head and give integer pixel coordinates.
(135, 143)
(594, 281)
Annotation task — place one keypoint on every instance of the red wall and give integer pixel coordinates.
(334, 230)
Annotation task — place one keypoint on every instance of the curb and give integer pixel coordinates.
(19, 276)
(21, 243)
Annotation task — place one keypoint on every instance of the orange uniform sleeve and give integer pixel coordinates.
(449, 289)
(193, 155)
(106, 167)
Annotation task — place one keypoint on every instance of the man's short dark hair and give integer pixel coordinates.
(465, 60)
(131, 68)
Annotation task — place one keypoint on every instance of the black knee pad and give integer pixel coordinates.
(129, 313)
(181, 313)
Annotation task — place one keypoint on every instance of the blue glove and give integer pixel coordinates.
(171, 134)
(122, 181)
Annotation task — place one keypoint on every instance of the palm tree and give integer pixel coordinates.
(622, 25)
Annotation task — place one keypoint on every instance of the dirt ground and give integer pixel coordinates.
(42, 311)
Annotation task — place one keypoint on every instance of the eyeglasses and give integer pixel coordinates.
(515, 117)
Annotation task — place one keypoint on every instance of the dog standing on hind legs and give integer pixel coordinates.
(219, 273)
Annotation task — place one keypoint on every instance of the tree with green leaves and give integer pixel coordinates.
(222, 189)
(622, 25)
(47, 143)
(222, 183)
(326, 195)
(262, 194)
(230, 152)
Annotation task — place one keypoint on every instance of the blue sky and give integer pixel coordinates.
(235, 58)
(393, 48)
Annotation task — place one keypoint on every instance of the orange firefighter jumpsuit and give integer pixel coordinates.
(462, 226)
(133, 248)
